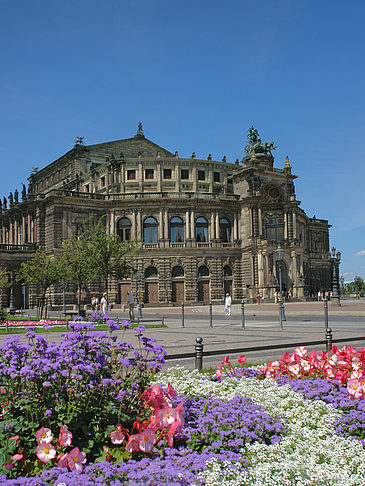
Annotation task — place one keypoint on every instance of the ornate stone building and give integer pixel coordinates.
(207, 227)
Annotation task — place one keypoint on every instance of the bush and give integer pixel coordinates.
(3, 315)
(80, 390)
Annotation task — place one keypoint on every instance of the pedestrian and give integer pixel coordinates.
(276, 297)
(259, 298)
(104, 304)
(130, 303)
(227, 305)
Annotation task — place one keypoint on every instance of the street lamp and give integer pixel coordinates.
(139, 307)
(342, 281)
(335, 261)
(166, 293)
(279, 255)
(11, 301)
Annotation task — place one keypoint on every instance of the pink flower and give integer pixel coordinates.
(242, 360)
(9, 466)
(44, 435)
(355, 388)
(117, 437)
(219, 372)
(45, 452)
(65, 437)
(63, 460)
(300, 350)
(133, 443)
(17, 457)
(225, 361)
(166, 416)
(76, 458)
(154, 396)
(147, 440)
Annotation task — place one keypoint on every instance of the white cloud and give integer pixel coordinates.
(360, 253)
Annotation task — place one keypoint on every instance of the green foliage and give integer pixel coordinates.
(110, 256)
(4, 279)
(3, 315)
(42, 270)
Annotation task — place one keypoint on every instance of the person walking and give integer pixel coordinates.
(227, 305)
(104, 304)
(130, 303)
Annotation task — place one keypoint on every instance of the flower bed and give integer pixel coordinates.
(30, 323)
(100, 415)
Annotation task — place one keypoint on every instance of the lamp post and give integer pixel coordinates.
(335, 261)
(342, 281)
(139, 307)
(11, 301)
(166, 293)
(279, 254)
(223, 286)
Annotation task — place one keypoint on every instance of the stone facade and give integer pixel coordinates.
(207, 227)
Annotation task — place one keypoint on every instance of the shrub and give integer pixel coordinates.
(90, 383)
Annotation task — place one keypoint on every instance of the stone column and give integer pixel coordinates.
(294, 224)
(187, 226)
(260, 221)
(217, 233)
(192, 223)
(212, 226)
(235, 233)
(260, 267)
(161, 226)
(285, 225)
(166, 224)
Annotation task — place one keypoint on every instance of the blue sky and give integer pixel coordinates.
(197, 74)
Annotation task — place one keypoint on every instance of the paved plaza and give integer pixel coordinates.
(304, 324)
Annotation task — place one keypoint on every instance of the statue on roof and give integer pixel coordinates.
(24, 192)
(79, 142)
(11, 199)
(256, 145)
(16, 196)
(5, 202)
(140, 130)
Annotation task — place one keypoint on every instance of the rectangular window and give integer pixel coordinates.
(216, 177)
(167, 173)
(102, 181)
(184, 173)
(148, 174)
(131, 174)
(87, 188)
(201, 175)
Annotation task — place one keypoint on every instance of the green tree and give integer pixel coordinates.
(4, 279)
(358, 285)
(42, 270)
(111, 257)
(77, 262)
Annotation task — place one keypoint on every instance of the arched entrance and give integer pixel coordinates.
(178, 284)
(151, 285)
(203, 284)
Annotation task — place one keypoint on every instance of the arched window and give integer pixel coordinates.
(201, 229)
(150, 230)
(150, 272)
(225, 230)
(227, 271)
(203, 271)
(176, 230)
(274, 225)
(124, 229)
(177, 272)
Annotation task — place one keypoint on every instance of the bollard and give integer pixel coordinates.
(325, 314)
(243, 313)
(182, 314)
(7, 325)
(66, 324)
(210, 315)
(328, 339)
(199, 353)
(163, 320)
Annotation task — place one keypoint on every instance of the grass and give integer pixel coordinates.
(64, 328)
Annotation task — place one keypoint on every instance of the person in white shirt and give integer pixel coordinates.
(130, 302)
(104, 304)
(227, 305)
